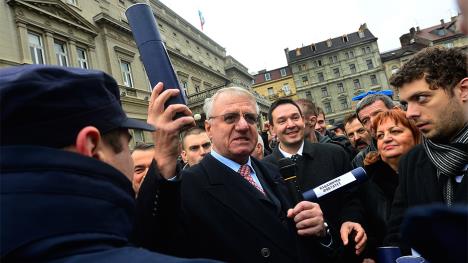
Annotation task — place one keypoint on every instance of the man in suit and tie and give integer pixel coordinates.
(230, 206)
(433, 86)
(316, 164)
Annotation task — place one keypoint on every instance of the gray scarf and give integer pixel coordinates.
(449, 159)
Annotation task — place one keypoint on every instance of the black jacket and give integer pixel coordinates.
(320, 163)
(376, 197)
(418, 185)
(59, 206)
(222, 216)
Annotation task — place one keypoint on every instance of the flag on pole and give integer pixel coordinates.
(202, 19)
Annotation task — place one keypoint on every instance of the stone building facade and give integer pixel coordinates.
(444, 34)
(95, 34)
(332, 72)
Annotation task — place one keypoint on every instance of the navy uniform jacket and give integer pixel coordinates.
(59, 206)
(222, 216)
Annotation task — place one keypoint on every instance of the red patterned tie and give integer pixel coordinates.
(244, 170)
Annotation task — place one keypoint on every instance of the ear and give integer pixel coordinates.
(183, 154)
(312, 120)
(208, 128)
(88, 141)
(464, 90)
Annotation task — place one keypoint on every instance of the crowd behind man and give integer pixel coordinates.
(73, 174)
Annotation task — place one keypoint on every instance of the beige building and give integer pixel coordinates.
(332, 72)
(444, 34)
(95, 34)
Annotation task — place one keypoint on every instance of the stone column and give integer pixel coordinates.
(73, 54)
(49, 49)
(25, 54)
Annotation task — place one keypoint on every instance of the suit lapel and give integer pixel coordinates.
(237, 194)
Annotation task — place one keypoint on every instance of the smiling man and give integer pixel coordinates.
(316, 163)
(433, 86)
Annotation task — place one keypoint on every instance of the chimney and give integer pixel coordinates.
(442, 23)
(412, 30)
(417, 29)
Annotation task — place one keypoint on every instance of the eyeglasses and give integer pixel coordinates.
(234, 117)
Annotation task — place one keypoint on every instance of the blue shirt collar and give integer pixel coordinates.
(230, 163)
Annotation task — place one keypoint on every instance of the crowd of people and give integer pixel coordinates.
(72, 189)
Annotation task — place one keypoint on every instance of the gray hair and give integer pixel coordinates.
(370, 99)
(208, 106)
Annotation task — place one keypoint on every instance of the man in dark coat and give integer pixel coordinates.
(433, 86)
(316, 163)
(65, 168)
(230, 206)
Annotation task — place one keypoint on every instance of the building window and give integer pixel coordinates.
(366, 50)
(320, 77)
(344, 103)
(340, 87)
(36, 48)
(373, 79)
(267, 76)
(324, 92)
(345, 38)
(82, 58)
(308, 95)
(126, 73)
(352, 68)
(286, 89)
(138, 136)
(369, 63)
(449, 45)
(318, 63)
(61, 53)
(197, 88)
(336, 72)
(357, 84)
(327, 106)
(394, 69)
(333, 59)
(72, 2)
(313, 48)
(361, 33)
(283, 72)
(305, 80)
(349, 54)
(271, 92)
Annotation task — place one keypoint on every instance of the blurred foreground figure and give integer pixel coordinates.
(66, 192)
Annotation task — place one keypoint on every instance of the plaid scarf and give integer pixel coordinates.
(449, 159)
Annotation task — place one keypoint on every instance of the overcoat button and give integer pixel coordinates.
(265, 252)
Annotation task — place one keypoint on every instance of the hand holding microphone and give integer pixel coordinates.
(308, 216)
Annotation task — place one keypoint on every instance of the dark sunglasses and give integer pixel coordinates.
(234, 117)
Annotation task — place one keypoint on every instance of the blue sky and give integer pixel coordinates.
(256, 32)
